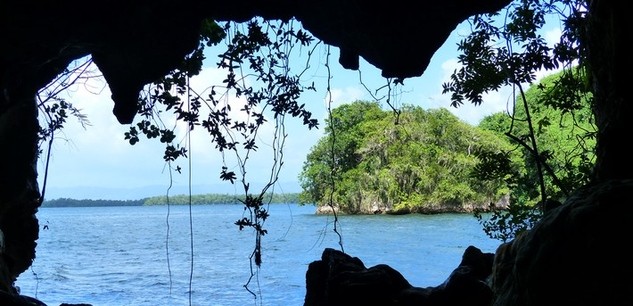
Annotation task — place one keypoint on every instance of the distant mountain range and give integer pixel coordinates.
(108, 193)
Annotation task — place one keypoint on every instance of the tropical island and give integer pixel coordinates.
(429, 161)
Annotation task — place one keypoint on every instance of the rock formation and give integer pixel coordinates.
(340, 279)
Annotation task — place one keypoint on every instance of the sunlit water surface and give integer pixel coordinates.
(143, 255)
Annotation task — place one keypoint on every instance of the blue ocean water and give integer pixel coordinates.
(181, 255)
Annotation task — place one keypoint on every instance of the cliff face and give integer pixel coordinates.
(136, 42)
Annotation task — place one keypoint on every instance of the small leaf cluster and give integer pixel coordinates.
(55, 110)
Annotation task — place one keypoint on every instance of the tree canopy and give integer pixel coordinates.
(564, 143)
(416, 160)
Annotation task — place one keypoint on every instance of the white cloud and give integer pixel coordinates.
(260, 163)
(98, 154)
(339, 96)
(492, 102)
(552, 36)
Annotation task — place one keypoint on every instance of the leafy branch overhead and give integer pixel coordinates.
(511, 51)
(254, 51)
(551, 124)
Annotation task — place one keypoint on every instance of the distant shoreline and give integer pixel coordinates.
(201, 199)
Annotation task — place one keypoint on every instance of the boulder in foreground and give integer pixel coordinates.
(340, 279)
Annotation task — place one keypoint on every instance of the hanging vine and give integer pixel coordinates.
(259, 88)
(55, 110)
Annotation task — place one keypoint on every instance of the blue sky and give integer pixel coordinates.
(96, 162)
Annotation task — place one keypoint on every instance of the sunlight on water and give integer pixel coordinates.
(124, 255)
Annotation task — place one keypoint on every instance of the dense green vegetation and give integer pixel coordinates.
(563, 133)
(418, 160)
(200, 199)
(415, 160)
(564, 139)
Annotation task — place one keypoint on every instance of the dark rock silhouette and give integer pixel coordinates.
(7, 299)
(340, 279)
(574, 255)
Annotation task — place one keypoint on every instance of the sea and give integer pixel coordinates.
(196, 255)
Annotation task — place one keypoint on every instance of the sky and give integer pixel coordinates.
(96, 162)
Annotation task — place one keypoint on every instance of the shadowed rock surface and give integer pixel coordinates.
(574, 256)
(339, 279)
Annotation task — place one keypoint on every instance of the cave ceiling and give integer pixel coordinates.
(136, 42)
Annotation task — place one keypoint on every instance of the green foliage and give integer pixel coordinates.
(507, 224)
(564, 133)
(420, 163)
(552, 128)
